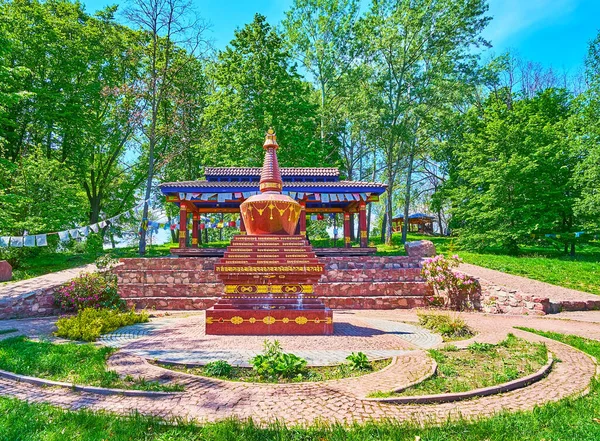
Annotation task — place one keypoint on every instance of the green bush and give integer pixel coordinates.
(219, 368)
(93, 290)
(359, 361)
(90, 323)
(274, 363)
(450, 327)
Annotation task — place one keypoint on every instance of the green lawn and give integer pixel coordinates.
(83, 364)
(479, 365)
(575, 419)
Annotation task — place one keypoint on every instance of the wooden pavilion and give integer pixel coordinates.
(417, 222)
(318, 190)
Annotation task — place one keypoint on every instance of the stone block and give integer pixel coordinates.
(5, 271)
(420, 248)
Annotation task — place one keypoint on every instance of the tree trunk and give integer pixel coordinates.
(388, 215)
(384, 225)
(405, 223)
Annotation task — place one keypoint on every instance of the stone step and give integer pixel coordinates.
(351, 289)
(372, 275)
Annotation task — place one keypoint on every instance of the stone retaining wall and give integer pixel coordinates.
(36, 303)
(349, 282)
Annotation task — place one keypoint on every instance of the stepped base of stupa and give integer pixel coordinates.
(269, 289)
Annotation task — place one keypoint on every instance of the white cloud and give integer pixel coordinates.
(511, 17)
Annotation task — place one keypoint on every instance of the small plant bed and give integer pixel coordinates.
(90, 323)
(276, 366)
(451, 328)
(313, 373)
(82, 364)
(479, 365)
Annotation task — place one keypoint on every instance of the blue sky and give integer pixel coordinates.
(552, 32)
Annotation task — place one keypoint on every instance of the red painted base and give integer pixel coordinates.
(269, 322)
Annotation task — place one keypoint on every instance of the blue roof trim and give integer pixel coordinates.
(297, 188)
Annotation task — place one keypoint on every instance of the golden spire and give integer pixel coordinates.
(270, 139)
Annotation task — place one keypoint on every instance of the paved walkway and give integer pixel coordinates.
(556, 294)
(42, 283)
(182, 340)
(207, 399)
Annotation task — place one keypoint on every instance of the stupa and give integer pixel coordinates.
(269, 274)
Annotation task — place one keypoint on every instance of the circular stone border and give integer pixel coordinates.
(81, 388)
(481, 392)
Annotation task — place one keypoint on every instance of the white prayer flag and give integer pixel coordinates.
(102, 224)
(84, 231)
(73, 233)
(29, 241)
(94, 228)
(41, 240)
(63, 236)
(4, 241)
(16, 242)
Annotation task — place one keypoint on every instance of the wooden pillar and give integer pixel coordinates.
(362, 224)
(302, 221)
(242, 225)
(182, 225)
(195, 218)
(347, 242)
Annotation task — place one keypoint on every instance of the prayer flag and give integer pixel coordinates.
(364, 196)
(29, 241)
(4, 241)
(94, 228)
(247, 194)
(220, 225)
(293, 194)
(73, 233)
(182, 196)
(325, 198)
(84, 231)
(41, 240)
(238, 195)
(333, 197)
(221, 197)
(317, 196)
(313, 217)
(102, 224)
(63, 236)
(16, 242)
(356, 196)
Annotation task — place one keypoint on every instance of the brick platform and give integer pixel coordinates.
(190, 283)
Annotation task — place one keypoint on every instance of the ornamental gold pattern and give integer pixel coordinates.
(269, 269)
(267, 320)
(269, 289)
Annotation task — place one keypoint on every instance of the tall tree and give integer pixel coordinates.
(322, 35)
(585, 131)
(416, 49)
(170, 27)
(512, 172)
(257, 86)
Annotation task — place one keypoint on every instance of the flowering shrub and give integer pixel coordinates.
(92, 290)
(459, 290)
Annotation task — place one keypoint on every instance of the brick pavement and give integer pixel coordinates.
(210, 399)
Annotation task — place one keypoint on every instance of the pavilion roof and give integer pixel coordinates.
(285, 171)
(415, 216)
(203, 184)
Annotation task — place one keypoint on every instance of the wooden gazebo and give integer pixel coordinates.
(318, 190)
(417, 222)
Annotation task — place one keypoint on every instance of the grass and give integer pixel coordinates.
(480, 365)
(83, 364)
(314, 373)
(451, 328)
(574, 419)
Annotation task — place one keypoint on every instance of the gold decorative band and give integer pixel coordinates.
(268, 320)
(269, 269)
(267, 185)
(347, 239)
(194, 241)
(363, 234)
(266, 289)
(182, 234)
